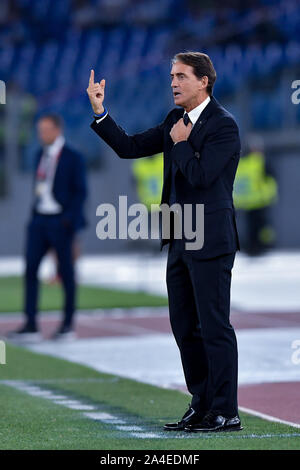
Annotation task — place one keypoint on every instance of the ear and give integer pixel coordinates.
(204, 81)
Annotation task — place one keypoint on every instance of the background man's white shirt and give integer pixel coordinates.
(47, 203)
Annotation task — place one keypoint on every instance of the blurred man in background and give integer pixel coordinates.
(59, 194)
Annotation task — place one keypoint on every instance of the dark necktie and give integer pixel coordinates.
(186, 119)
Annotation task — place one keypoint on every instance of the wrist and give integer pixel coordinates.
(100, 112)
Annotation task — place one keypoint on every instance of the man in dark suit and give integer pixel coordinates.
(57, 213)
(201, 146)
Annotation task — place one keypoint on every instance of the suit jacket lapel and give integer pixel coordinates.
(176, 117)
(59, 165)
(208, 110)
(37, 161)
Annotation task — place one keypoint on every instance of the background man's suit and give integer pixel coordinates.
(198, 281)
(56, 230)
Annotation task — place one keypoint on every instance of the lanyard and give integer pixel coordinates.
(47, 166)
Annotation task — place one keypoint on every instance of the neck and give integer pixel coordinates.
(54, 140)
(192, 105)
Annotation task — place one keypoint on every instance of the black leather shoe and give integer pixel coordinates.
(191, 416)
(213, 422)
(64, 332)
(28, 332)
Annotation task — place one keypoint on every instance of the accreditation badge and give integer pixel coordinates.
(40, 188)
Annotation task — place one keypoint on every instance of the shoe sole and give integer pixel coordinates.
(170, 429)
(64, 337)
(25, 338)
(227, 429)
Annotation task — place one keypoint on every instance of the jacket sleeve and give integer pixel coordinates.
(139, 145)
(222, 144)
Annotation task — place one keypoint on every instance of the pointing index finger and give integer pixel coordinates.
(92, 75)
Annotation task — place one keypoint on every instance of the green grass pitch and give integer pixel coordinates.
(36, 422)
(51, 298)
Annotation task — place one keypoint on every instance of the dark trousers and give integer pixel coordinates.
(45, 232)
(199, 304)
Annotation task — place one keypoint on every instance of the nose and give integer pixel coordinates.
(174, 82)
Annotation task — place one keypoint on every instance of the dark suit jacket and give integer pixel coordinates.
(206, 167)
(69, 186)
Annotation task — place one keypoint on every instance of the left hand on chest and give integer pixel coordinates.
(180, 131)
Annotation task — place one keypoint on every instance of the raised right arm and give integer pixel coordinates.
(139, 145)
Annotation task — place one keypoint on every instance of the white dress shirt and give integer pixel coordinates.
(195, 113)
(47, 203)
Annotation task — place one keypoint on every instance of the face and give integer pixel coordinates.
(47, 131)
(188, 90)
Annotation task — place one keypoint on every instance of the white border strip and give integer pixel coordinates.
(268, 417)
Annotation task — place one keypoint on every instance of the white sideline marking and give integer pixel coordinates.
(40, 393)
(130, 428)
(80, 407)
(55, 397)
(100, 415)
(28, 388)
(67, 402)
(33, 390)
(74, 404)
(147, 435)
(268, 417)
(105, 417)
(60, 380)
